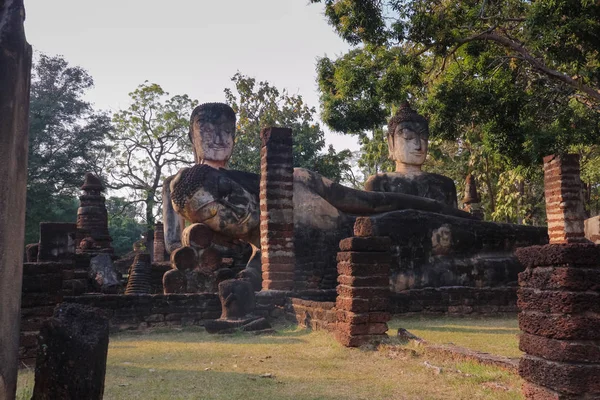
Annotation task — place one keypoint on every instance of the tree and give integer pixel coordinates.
(505, 82)
(260, 105)
(123, 224)
(66, 138)
(150, 142)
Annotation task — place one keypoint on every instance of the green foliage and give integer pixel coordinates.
(123, 224)
(150, 143)
(505, 83)
(66, 140)
(259, 105)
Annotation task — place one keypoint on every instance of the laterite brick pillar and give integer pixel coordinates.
(564, 206)
(159, 243)
(363, 291)
(277, 209)
(559, 297)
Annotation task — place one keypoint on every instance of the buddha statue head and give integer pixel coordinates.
(212, 132)
(408, 140)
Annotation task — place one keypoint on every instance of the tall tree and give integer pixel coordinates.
(150, 142)
(258, 105)
(123, 224)
(66, 138)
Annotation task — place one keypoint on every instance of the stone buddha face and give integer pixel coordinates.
(202, 194)
(408, 140)
(212, 132)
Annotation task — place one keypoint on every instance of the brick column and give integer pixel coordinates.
(277, 209)
(559, 303)
(564, 206)
(159, 243)
(363, 290)
(559, 296)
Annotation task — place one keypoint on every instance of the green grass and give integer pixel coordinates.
(304, 365)
(496, 335)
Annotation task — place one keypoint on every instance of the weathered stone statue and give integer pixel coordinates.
(408, 141)
(212, 133)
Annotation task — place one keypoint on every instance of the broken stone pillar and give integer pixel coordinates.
(592, 229)
(57, 241)
(159, 243)
(564, 205)
(92, 217)
(72, 350)
(363, 289)
(15, 69)
(277, 209)
(559, 297)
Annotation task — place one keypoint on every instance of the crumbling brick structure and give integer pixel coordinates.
(92, 217)
(363, 290)
(42, 290)
(559, 297)
(564, 208)
(277, 209)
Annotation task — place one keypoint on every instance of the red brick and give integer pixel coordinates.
(277, 285)
(364, 292)
(277, 267)
(379, 316)
(278, 276)
(351, 317)
(534, 392)
(352, 329)
(377, 328)
(352, 304)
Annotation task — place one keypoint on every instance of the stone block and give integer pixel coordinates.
(561, 278)
(576, 351)
(561, 326)
(362, 270)
(364, 292)
(558, 301)
(575, 255)
(71, 361)
(569, 378)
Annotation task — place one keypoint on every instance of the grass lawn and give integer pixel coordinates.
(496, 335)
(303, 365)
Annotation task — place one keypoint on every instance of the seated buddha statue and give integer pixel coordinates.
(408, 140)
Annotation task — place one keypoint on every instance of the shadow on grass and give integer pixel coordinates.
(479, 331)
(164, 383)
(288, 334)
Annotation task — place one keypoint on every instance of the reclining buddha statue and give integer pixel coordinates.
(227, 201)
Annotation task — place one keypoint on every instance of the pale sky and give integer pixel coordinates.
(187, 46)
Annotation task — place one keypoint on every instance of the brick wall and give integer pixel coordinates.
(153, 310)
(315, 315)
(277, 209)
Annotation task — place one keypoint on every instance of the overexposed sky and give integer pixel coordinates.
(187, 46)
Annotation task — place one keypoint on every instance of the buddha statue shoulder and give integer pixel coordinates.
(408, 141)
